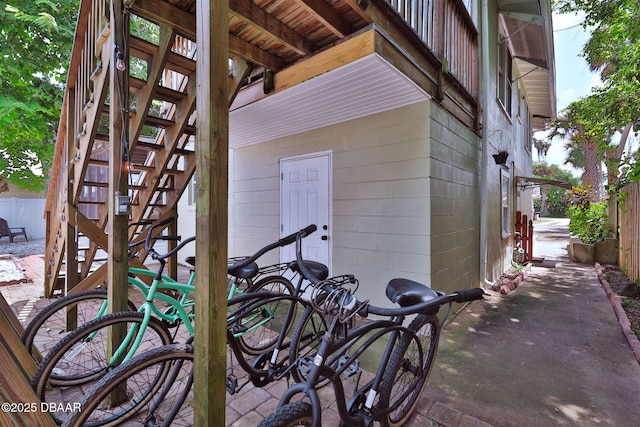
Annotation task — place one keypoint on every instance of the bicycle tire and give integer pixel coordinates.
(75, 362)
(408, 370)
(48, 327)
(265, 336)
(159, 388)
(305, 340)
(289, 415)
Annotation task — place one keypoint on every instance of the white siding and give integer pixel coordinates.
(380, 195)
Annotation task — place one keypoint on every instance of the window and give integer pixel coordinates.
(506, 202)
(504, 75)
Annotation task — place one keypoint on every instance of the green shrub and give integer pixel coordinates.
(590, 222)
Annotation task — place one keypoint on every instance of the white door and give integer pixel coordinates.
(305, 199)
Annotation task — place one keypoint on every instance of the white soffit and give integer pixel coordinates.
(366, 86)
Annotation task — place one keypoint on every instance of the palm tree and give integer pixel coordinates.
(542, 147)
(587, 139)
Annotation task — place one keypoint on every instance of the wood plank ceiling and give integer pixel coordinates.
(269, 33)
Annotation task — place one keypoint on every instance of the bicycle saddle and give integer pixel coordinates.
(246, 272)
(318, 269)
(406, 293)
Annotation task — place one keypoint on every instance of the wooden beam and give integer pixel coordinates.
(325, 61)
(162, 12)
(251, 53)
(184, 23)
(212, 147)
(240, 70)
(348, 51)
(145, 96)
(359, 6)
(323, 12)
(258, 17)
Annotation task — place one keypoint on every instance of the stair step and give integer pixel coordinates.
(144, 50)
(162, 93)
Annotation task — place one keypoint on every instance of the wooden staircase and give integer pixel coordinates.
(160, 143)
(279, 44)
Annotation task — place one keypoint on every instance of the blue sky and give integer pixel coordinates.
(573, 78)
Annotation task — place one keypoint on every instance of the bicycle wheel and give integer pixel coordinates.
(289, 415)
(50, 325)
(408, 370)
(158, 386)
(305, 340)
(80, 358)
(262, 326)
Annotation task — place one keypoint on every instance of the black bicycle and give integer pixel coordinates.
(391, 394)
(151, 380)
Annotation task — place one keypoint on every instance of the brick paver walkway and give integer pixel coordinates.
(251, 404)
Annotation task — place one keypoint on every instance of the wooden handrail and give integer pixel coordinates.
(92, 30)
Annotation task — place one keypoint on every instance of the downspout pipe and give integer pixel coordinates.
(484, 168)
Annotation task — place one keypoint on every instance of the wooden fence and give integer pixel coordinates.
(630, 231)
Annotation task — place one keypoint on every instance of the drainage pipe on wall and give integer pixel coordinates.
(484, 169)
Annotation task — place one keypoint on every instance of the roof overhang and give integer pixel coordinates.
(530, 34)
(529, 181)
(365, 86)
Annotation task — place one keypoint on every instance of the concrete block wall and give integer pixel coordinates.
(380, 200)
(455, 202)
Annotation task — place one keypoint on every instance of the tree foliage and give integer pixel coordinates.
(613, 50)
(35, 44)
(554, 201)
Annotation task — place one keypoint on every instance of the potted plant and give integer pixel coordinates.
(501, 157)
(590, 226)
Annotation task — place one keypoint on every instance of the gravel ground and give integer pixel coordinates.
(20, 248)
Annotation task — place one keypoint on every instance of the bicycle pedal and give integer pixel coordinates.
(304, 364)
(352, 368)
(232, 384)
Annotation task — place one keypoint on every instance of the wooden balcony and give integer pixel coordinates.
(273, 45)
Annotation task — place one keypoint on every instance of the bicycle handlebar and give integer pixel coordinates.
(150, 237)
(351, 301)
(155, 255)
(464, 295)
(287, 240)
(309, 229)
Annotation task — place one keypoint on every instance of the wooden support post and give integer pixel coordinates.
(172, 263)
(71, 242)
(118, 130)
(212, 144)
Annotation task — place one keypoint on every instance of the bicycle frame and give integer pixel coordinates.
(330, 351)
(256, 301)
(176, 308)
(413, 298)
